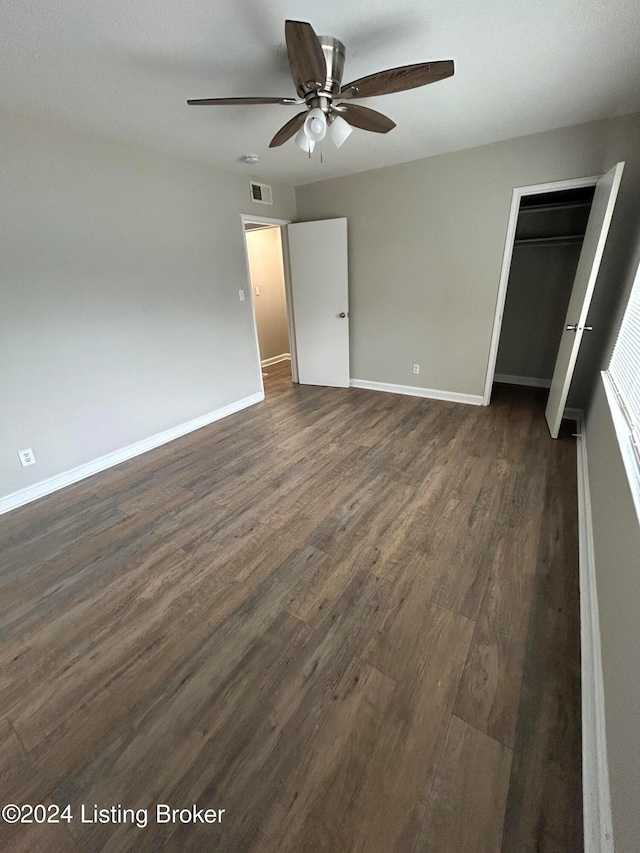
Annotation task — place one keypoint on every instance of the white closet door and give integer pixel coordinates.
(583, 286)
(319, 286)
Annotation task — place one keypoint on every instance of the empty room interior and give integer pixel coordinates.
(320, 427)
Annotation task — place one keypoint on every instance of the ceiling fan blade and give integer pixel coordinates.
(365, 118)
(398, 79)
(306, 59)
(223, 102)
(288, 130)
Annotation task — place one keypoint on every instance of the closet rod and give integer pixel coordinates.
(540, 241)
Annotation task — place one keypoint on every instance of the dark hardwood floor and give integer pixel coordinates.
(350, 619)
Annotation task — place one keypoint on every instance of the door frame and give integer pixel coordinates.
(250, 218)
(516, 197)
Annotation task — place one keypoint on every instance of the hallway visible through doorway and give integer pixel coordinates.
(267, 276)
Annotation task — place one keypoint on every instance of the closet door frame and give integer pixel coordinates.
(516, 197)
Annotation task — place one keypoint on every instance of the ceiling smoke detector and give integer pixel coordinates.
(250, 159)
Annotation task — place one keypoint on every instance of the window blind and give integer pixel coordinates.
(624, 367)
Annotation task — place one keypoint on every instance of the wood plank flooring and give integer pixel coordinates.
(349, 619)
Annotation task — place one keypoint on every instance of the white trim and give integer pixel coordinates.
(288, 289)
(262, 220)
(412, 391)
(518, 193)
(529, 381)
(284, 356)
(596, 796)
(53, 484)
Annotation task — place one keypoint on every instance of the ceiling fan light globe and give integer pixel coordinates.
(315, 125)
(303, 141)
(339, 131)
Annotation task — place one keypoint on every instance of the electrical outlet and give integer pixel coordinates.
(27, 457)
(257, 291)
(416, 368)
(241, 295)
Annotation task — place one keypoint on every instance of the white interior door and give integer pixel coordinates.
(584, 283)
(319, 287)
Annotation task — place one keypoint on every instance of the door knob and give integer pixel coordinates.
(342, 314)
(572, 328)
(588, 328)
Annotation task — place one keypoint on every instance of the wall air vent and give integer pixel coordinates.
(261, 193)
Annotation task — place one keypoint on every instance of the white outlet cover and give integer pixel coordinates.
(416, 368)
(241, 295)
(26, 457)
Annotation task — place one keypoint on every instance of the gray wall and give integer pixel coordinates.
(425, 248)
(119, 309)
(540, 282)
(264, 248)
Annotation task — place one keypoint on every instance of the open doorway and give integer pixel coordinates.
(562, 214)
(542, 256)
(318, 330)
(549, 234)
(267, 271)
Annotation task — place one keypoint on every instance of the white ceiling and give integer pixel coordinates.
(125, 68)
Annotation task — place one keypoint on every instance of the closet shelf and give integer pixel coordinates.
(533, 241)
(561, 205)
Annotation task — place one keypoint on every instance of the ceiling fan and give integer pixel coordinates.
(317, 63)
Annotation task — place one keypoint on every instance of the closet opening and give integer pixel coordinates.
(549, 233)
(267, 268)
(547, 238)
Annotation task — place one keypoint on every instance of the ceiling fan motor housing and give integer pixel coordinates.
(334, 51)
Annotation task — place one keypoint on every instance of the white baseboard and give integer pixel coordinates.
(596, 796)
(411, 391)
(46, 487)
(529, 381)
(284, 356)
